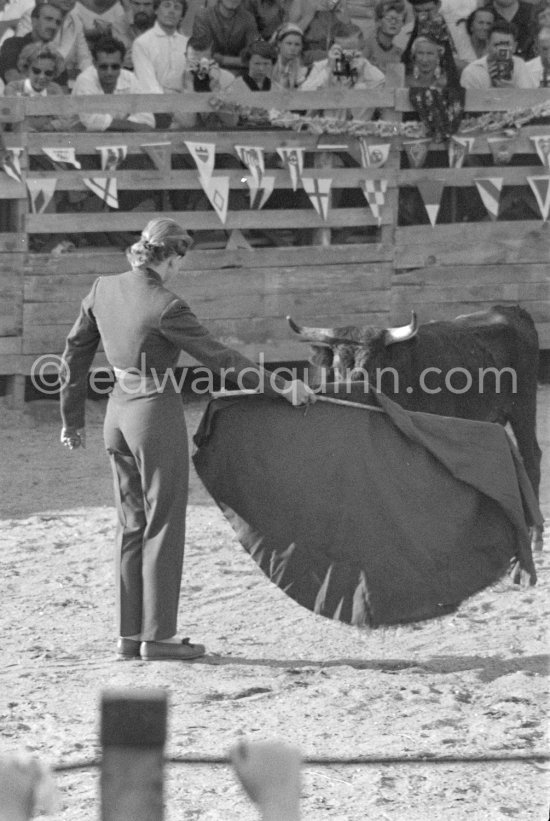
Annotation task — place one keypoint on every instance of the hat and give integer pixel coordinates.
(288, 28)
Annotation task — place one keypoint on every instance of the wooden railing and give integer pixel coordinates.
(245, 276)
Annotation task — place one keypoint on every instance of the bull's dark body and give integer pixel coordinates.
(501, 337)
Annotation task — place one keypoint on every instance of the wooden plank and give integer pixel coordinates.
(493, 99)
(477, 274)
(309, 255)
(13, 242)
(472, 244)
(497, 292)
(203, 220)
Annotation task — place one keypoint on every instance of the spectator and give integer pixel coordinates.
(139, 18)
(259, 59)
(269, 771)
(268, 14)
(380, 49)
(45, 21)
(230, 28)
(471, 36)
(540, 18)
(540, 66)
(100, 17)
(10, 14)
(317, 19)
(41, 66)
(345, 67)
(203, 75)
(519, 14)
(289, 70)
(159, 53)
(430, 23)
(500, 68)
(69, 41)
(426, 69)
(106, 76)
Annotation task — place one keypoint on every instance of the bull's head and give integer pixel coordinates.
(350, 351)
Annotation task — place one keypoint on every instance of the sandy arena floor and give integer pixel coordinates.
(471, 683)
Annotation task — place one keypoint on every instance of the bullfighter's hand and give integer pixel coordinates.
(298, 393)
(270, 773)
(73, 438)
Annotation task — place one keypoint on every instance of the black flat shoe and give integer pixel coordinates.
(170, 651)
(127, 649)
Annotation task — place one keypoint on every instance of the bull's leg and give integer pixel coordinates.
(531, 454)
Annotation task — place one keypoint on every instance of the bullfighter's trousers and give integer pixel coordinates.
(146, 438)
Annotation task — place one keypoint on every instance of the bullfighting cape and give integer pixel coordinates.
(367, 517)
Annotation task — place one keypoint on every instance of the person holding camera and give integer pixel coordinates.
(500, 68)
(318, 19)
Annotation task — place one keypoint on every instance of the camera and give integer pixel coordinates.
(201, 74)
(504, 63)
(343, 66)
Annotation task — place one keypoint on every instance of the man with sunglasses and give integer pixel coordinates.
(106, 76)
(46, 21)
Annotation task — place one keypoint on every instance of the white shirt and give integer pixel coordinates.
(535, 68)
(369, 77)
(159, 60)
(476, 75)
(88, 83)
(115, 17)
(14, 10)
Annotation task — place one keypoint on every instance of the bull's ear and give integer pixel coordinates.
(402, 333)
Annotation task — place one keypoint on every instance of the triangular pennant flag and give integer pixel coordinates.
(11, 164)
(459, 148)
(417, 151)
(541, 189)
(542, 145)
(112, 156)
(105, 188)
(293, 159)
(160, 154)
(217, 191)
(373, 156)
(263, 193)
(41, 190)
(237, 240)
(502, 149)
(375, 193)
(253, 158)
(318, 191)
(204, 155)
(431, 191)
(489, 189)
(62, 156)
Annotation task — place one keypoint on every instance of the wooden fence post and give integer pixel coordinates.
(133, 734)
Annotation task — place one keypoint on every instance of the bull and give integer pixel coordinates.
(480, 366)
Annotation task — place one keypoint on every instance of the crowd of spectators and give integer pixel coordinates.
(270, 44)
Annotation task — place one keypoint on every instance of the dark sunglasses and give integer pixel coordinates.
(112, 66)
(47, 72)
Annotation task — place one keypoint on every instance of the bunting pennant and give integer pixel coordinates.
(237, 240)
(417, 151)
(373, 156)
(502, 149)
(112, 156)
(160, 155)
(431, 191)
(375, 193)
(318, 191)
(263, 193)
(217, 191)
(540, 187)
(105, 188)
(12, 165)
(489, 189)
(459, 148)
(293, 159)
(253, 158)
(62, 156)
(204, 155)
(542, 145)
(41, 190)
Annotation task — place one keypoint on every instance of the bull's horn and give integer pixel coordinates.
(404, 332)
(322, 336)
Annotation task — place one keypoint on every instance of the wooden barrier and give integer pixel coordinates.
(246, 275)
